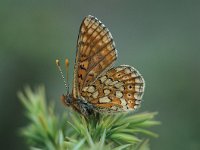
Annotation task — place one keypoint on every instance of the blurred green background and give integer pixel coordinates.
(159, 38)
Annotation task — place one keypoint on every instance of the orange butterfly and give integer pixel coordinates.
(97, 86)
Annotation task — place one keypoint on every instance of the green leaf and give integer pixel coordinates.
(125, 138)
(47, 129)
(79, 144)
(102, 140)
(122, 147)
(143, 146)
(138, 130)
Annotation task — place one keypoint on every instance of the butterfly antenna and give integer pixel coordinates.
(67, 72)
(60, 70)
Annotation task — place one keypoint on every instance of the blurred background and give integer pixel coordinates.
(159, 38)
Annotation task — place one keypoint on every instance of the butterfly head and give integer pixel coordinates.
(66, 100)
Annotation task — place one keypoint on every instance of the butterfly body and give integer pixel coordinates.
(99, 87)
(78, 105)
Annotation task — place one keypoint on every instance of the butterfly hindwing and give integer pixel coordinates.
(119, 89)
(95, 53)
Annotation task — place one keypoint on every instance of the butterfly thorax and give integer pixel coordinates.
(78, 104)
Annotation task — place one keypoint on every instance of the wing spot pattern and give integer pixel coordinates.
(85, 88)
(123, 101)
(119, 84)
(103, 79)
(95, 94)
(139, 88)
(137, 102)
(121, 88)
(119, 94)
(106, 92)
(139, 80)
(137, 96)
(104, 100)
(91, 89)
(127, 71)
(108, 81)
(114, 82)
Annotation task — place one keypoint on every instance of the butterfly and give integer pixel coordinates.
(97, 86)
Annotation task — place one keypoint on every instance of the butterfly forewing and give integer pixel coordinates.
(119, 89)
(95, 53)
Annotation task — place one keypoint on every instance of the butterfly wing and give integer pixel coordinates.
(120, 89)
(95, 53)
